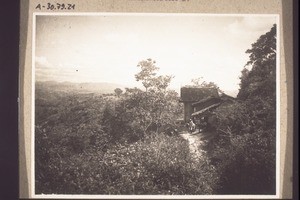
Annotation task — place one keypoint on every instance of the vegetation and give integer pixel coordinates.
(244, 151)
(118, 91)
(200, 83)
(107, 144)
(159, 164)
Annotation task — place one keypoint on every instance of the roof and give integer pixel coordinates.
(226, 97)
(193, 94)
(208, 99)
(205, 109)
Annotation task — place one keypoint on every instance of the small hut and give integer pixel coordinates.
(190, 96)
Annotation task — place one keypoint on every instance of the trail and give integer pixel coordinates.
(195, 143)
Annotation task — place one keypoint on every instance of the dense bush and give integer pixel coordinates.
(66, 125)
(138, 113)
(244, 152)
(159, 164)
(81, 142)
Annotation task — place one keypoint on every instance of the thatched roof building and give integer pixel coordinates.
(193, 94)
(198, 101)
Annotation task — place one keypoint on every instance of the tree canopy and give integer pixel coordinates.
(246, 147)
(118, 91)
(200, 83)
(260, 79)
(148, 76)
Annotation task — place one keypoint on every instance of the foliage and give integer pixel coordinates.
(260, 80)
(200, 83)
(159, 164)
(149, 78)
(158, 108)
(148, 71)
(82, 139)
(68, 124)
(244, 152)
(118, 91)
(139, 112)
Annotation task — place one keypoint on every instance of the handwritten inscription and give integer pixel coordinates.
(56, 6)
(164, 0)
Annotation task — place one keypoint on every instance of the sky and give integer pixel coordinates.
(108, 47)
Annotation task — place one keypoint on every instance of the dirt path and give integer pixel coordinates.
(195, 143)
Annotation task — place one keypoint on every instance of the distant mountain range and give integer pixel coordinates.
(101, 87)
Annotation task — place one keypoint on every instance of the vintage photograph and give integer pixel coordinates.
(155, 104)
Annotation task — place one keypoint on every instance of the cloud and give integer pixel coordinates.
(54, 74)
(258, 23)
(248, 26)
(42, 62)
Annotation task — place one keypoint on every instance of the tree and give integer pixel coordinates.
(150, 110)
(260, 80)
(245, 148)
(118, 92)
(149, 78)
(141, 112)
(161, 82)
(200, 83)
(197, 81)
(147, 73)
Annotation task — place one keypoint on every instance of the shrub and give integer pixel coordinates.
(159, 164)
(165, 163)
(244, 151)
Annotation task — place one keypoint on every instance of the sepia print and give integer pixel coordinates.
(155, 104)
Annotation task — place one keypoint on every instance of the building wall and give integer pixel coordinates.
(189, 95)
(188, 110)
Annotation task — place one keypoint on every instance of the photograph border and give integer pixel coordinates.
(287, 11)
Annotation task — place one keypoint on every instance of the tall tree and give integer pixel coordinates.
(258, 77)
(147, 73)
(150, 79)
(155, 106)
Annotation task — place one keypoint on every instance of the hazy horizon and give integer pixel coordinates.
(232, 93)
(107, 48)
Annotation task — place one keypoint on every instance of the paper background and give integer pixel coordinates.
(282, 7)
